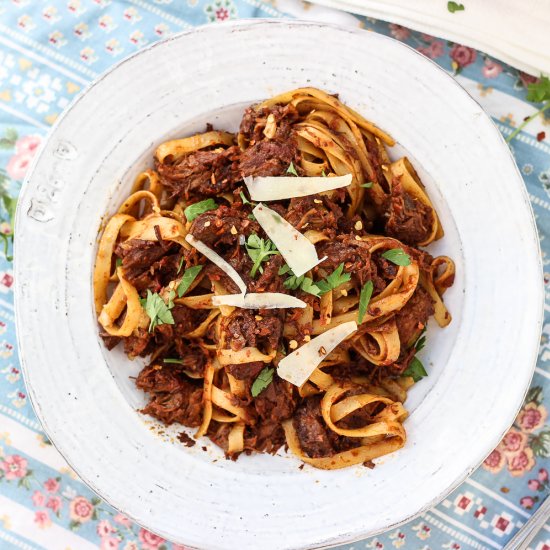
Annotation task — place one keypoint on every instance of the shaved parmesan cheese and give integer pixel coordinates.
(216, 259)
(297, 367)
(263, 300)
(288, 187)
(296, 249)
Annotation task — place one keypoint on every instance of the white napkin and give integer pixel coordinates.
(514, 31)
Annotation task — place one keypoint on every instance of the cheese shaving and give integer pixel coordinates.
(216, 259)
(263, 300)
(288, 187)
(297, 367)
(296, 249)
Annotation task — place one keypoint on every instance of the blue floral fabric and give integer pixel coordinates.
(49, 51)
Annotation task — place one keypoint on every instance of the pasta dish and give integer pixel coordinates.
(275, 279)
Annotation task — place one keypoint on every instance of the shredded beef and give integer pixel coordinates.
(409, 220)
(414, 315)
(270, 280)
(352, 253)
(245, 371)
(311, 429)
(173, 398)
(268, 158)
(137, 345)
(202, 173)
(277, 402)
(223, 226)
(312, 212)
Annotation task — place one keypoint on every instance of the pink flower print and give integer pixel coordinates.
(427, 37)
(527, 502)
(399, 32)
(514, 441)
(54, 504)
(14, 467)
(532, 417)
(6, 281)
(81, 509)
(42, 519)
(463, 55)
(534, 484)
(434, 50)
(38, 499)
(123, 520)
(5, 228)
(149, 541)
(109, 543)
(495, 461)
(543, 475)
(222, 14)
(491, 69)
(131, 545)
(104, 528)
(51, 485)
(27, 144)
(17, 166)
(521, 462)
(178, 546)
(527, 79)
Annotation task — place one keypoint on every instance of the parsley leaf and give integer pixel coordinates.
(188, 277)
(323, 173)
(244, 200)
(171, 361)
(454, 6)
(118, 262)
(262, 381)
(537, 92)
(364, 299)
(367, 185)
(310, 287)
(397, 256)
(303, 282)
(334, 280)
(416, 370)
(284, 270)
(421, 342)
(157, 310)
(180, 265)
(291, 169)
(194, 210)
(259, 251)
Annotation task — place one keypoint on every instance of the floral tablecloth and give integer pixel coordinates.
(49, 51)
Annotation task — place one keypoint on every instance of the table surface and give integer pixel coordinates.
(49, 51)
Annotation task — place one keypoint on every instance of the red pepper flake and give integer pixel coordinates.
(541, 136)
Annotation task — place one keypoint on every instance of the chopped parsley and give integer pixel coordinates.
(262, 381)
(244, 200)
(180, 265)
(259, 251)
(455, 6)
(172, 361)
(291, 169)
(416, 370)
(303, 282)
(364, 299)
(158, 311)
(118, 262)
(188, 277)
(397, 256)
(334, 280)
(194, 210)
(367, 185)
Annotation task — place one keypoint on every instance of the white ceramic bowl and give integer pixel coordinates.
(480, 366)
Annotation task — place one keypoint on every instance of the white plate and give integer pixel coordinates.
(480, 366)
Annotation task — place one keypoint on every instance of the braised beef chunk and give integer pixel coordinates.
(268, 158)
(265, 436)
(192, 356)
(277, 402)
(223, 226)
(414, 315)
(311, 429)
(110, 341)
(352, 253)
(409, 219)
(313, 212)
(173, 398)
(271, 142)
(138, 344)
(244, 329)
(270, 280)
(202, 173)
(245, 371)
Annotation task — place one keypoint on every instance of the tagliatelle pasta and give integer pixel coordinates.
(298, 323)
